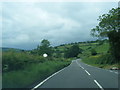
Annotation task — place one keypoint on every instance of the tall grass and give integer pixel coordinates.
(35, 68)
(99, 59)
(102, 61)
(26, 77)
(16, 61)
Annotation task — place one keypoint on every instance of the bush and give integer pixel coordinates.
(34, 72)
(16, 66)
(72, 52)
(17, 61)
(93, 52)
(99, 59)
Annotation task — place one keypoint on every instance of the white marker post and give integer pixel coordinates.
(45, 55)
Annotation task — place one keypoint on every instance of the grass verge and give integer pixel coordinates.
(101, 61)
(26, 77)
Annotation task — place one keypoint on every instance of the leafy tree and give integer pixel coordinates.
(73, 51)
(108, 23)
(45, 47)
(109, 26)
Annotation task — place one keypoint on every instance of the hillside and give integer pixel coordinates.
(101, 48)
(102, 59)
(9, 49)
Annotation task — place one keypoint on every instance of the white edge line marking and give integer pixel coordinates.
(47, 79)
(87, 72)
(98, 85)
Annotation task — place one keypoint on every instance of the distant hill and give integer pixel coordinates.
(8, 49)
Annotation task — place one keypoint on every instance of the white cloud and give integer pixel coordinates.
(28, 23)
(60, 0)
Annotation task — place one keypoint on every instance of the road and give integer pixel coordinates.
(80, 75)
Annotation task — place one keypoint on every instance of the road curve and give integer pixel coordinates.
(80, 75)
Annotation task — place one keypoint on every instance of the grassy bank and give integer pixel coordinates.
(101, 61)
(22, 70)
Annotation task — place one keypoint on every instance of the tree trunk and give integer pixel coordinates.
(114, 39)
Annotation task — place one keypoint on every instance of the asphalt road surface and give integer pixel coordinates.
(80, 75)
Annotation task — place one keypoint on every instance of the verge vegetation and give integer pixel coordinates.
(23, 69)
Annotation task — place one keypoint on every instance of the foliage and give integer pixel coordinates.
(39, 71)
(93, 52)
(45, 47)
(109, 27)
(16, 61)
(17, 65)
(108, 22)
(73, 51)
(99, 59)
(58, 53)
(114, 39)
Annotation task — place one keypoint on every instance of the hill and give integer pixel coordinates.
(4, 49)
(102, 59)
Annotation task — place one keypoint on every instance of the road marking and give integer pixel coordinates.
(87, 72)
(46, 79)
(116, 72)
(111, 71)
(79, 65)
(82, 67)
(98, 85)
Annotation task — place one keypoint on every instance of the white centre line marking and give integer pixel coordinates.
(116, 72)
(111, 71)
(98, 85)
(79, 65)
(87, 72)
(82, 67)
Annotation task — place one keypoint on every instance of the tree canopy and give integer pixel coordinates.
(107, 23)
(109, 26)
(45, 47)
(73, 51)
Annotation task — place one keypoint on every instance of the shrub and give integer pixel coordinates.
(17, 61)
(34, 72)
(93, 52)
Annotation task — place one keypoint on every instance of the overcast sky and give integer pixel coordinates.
(24, 25)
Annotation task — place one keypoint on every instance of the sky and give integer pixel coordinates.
(26, 24)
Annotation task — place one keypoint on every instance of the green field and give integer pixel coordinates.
(103, 59)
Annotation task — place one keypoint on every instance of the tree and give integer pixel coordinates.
(109, 26)
(108, 23)
(45, 47)
(72, 52)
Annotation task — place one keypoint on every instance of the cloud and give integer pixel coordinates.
(26, 24)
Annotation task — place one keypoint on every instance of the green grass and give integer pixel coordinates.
(22, 69)
(102, 48)
(101, 61)
(26, 77)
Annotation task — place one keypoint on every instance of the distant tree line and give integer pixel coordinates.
(45, 47)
